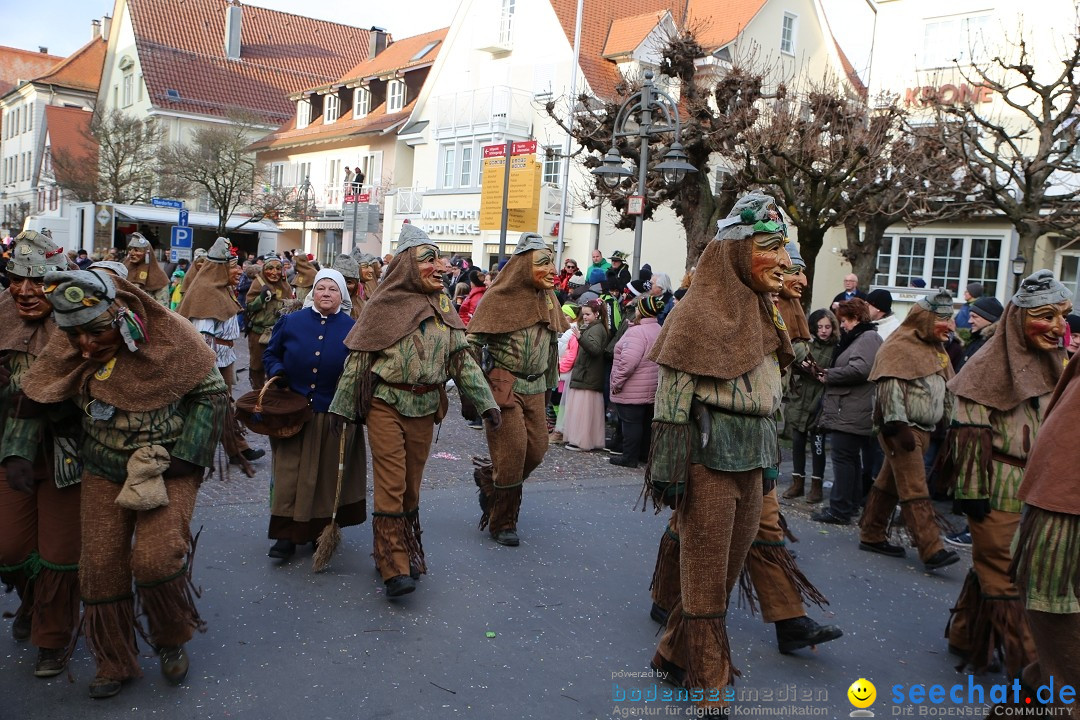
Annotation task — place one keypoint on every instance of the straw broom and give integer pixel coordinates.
(330, 537)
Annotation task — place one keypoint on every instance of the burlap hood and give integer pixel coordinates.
(912, 352)
(1050, 478)
(193, 270)
(722, 327)
(282, 289)
(398, 307)
(791, 310)
(305, 271)
(147, 275)
(513, 302)
(1005, 371)
(211, 295)
(171, 361)
(18, 335)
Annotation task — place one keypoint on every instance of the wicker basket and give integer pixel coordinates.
(273, 410)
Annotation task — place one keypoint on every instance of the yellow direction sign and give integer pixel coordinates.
(523, 194)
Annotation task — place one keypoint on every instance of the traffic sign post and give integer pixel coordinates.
(183, 221)
(180, 241)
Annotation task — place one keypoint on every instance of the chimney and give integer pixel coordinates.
(233, 15)
(43, 50)
(106, 26)
(95, 29)
(376, 41)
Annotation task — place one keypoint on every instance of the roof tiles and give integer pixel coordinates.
(400, 55)
(69, 132)
(626, 34)
(81, 70)
(280, 53)
(20, 65)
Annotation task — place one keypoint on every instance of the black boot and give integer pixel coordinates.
(802, 632)
(282, 549)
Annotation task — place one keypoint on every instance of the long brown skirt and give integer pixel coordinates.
(305, 472)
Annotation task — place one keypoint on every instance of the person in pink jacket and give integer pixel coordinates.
(477, 288)
(633, 381)
(568, 349)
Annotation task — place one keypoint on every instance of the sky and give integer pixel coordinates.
(63, 26)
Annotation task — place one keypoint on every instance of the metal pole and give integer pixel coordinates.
(303, 217)
(355, 206)
(565, 167)
(505, 201)
(643, 166)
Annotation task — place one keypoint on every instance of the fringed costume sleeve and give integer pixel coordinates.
(970, 443)
(467, 374)
(347, 399)
(890, 400)
(204, 410)
(672, 434)
(22, 437)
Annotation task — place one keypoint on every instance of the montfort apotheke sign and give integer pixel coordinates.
(947, 94)
(450, 222)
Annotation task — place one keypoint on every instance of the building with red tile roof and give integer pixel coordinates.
(349, 123)
(62, 91)
(17, 66)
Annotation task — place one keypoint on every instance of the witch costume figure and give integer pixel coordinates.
(211, 306)
(517, 326)
(350, 270)
(407, 343)
(144, 271)
(714, 432)
(138, 487)
(39, 492)
(911, 371)
(1002, 393)
(265, 303)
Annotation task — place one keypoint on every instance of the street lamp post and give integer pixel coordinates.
(674, 167)
(1019, 265)
(305, 194)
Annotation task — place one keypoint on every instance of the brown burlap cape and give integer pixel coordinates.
(721, 310)
(1006, 372)
(17, 335)
(305, 271)
(1051, 481)
(155, 277)
(169, 363)
(211, 295)
(398, 307)
(795, 318)
(912, 352)
(189, 277)
(282, 289)
(513, 302)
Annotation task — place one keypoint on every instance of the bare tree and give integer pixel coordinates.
(1023, 161)
(15, 216)
(116, 160)
(216, 162)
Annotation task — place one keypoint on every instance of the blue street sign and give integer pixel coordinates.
(180, 237)
(166, 202)
(183, 218)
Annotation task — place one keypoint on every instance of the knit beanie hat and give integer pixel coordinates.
(881, 299)
(348, 266)
(975, 289)
(988, 308)
(650, 306)
(79, 296)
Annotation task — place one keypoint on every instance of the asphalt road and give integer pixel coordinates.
(556, 628)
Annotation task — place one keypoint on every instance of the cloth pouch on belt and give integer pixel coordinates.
(144, 488)
(264, 338)
(501, 381)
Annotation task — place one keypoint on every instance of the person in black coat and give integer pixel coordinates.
(851, 290)
(618, 276)
(985, 311)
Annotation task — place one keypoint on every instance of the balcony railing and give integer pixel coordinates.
(408, 201)
(329, 200)
(500, 110)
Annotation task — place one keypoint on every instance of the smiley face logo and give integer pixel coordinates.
(862, 693)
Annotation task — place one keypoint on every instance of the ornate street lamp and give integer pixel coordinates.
(635, 119)
(1019, 265)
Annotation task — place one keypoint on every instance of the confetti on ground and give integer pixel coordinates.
(489, 634)
(445, 456)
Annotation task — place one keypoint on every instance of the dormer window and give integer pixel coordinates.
(361, 102)
(331, 109)
(303, 113)
(395, 96)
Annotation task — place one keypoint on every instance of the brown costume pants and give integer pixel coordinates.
(39, 555)
(154, 546)
(399, 451)
(718, 517)
(256, 374)
(232, 438)
(771, 574)
(516, 448)
(903, 478)
(1057, 637)
(989, 613)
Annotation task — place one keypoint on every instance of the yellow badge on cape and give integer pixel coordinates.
(444, 303)
(550, 304)
(105, 371)
(142, 275)
(943, 360)
(778, 319)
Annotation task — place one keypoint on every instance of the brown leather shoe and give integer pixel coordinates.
(50, 663)
(103, 687)
(174, 664)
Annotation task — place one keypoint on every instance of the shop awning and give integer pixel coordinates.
(168, 216)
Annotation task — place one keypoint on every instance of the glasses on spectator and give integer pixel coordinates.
(572, 266)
